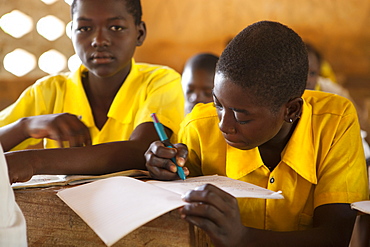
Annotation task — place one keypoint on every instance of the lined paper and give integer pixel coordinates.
(113, 207)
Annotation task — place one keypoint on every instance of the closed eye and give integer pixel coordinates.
(238, 114)
(242, 122)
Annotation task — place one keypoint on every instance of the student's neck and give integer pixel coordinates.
(101, 93)
(103, 87)
(271, 151)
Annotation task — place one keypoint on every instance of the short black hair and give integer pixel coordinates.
(133, 7)
(269, 59)
(203, 61)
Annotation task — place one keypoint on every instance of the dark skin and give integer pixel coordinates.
(197, 84)
(313, 71)
(105, 36)
(60, 127)
(217, 212)
(93, 159)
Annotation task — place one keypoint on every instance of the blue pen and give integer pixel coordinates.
(163, 137)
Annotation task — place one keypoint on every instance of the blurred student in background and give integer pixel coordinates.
(197, 79)
(315, 80)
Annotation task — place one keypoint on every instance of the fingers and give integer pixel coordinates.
(206, 200)
(198, 219)
(158, 160)
(18, 170)
(217, 213)
(75, 132)
(181, 154)
(60, 127)
(210, 194)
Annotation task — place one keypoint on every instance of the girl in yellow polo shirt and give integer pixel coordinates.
(263, 128)
(107, 102)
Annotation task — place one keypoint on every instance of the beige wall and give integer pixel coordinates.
(177, 29)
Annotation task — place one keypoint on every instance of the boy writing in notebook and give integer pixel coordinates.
(264, 128)
(107, 102)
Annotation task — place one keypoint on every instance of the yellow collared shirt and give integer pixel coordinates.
(147, 89)
(322, 163)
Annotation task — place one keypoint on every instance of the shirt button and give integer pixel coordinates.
(272, 180)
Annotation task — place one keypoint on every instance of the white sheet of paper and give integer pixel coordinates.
(234, 187)
(362, 206)
(113, 207)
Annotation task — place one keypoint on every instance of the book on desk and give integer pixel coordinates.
(40, 181)
(115, 206)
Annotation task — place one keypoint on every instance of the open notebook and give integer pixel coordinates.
(38, 181)
(113, 207)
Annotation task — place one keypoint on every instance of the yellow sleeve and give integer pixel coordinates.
(165, 98)
(206, 145)
(39, 98)
(189, 136)
(342, 175)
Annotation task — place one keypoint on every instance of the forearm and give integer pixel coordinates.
(97, 159)
(13, 134)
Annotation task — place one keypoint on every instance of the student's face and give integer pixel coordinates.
(313, 71)
(105, 36)
(197, 86)
(243, 124)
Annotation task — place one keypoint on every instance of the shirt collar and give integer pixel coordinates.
(240, 162)
(301, 145)
(76, 101)
(126, 96)
(80, 106)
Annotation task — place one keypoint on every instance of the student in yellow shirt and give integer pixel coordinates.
(107, 102)
(263, 128)
(197, 79)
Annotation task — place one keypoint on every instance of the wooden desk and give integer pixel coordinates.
(50, 222)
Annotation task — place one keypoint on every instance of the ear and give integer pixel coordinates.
(141, 30)
(293, 110)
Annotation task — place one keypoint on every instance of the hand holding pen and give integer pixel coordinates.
(161, 156)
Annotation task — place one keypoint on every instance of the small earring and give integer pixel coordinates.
(290, 120)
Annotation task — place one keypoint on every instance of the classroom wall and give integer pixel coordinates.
(178, 29)
(339, 29)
